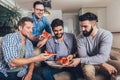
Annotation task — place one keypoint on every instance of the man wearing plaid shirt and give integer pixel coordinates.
(17, 61)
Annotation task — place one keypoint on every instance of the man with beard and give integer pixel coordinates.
(16, 60)
(62, 44)
(94, 49)
(40, 24)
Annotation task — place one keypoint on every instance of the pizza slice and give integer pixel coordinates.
(49, 53)
(46, 34)
(65, 60)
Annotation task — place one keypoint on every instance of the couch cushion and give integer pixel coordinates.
(115, 55)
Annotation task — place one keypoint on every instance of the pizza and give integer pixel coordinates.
(65, 60)
(49, 53)
(46, 34)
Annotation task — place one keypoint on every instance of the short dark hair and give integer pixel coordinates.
(57, 22)
(22, 21)
(88, 16)
(37, 3)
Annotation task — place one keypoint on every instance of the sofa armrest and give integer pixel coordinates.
(115, 55)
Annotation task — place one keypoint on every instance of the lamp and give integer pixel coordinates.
(46, 13)
(47, 5)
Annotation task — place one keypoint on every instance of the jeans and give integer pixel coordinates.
(13, 76)
(36, 77)
(48, 72)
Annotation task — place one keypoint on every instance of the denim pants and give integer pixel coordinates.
(13, 76)
(48, 72)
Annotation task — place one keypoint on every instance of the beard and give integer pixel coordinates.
(58, 36)
(86, 33)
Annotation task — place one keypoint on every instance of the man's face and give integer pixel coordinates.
(58, 31)
(86, 27)
(26, 30)
(38, 10)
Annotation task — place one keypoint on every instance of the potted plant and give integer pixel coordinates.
(8, 20)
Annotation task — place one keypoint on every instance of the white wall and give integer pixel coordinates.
(100, 12)
(113, 21)
(71, 22)
(113, 16)
(54, 14)
(116, 40)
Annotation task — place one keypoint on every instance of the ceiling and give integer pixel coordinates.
(66, 5)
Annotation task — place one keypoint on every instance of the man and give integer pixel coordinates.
(62, 44)
(17, 61)
(94, 49)
(40, 24)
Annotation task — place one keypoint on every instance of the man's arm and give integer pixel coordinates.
(28, 76)
(75, 53)
(111, 69)
(33, 38)
(31, 68)
(11, 53)
(24, 61)
(50, 46)
(42, 42)
(48, 27)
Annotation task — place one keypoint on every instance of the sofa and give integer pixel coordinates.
(115, 54)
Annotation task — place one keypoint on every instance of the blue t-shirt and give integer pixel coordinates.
(39, 25)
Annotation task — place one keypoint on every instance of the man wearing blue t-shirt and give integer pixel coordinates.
(40, 24)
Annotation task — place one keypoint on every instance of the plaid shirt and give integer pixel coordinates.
(11, 49)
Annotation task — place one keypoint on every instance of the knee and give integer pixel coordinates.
(88, 70)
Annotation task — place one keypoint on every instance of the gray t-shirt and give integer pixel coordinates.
(95, 50)
(61, 49)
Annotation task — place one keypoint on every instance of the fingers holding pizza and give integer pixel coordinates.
(65, 60)
(46, 34)
(49, 53)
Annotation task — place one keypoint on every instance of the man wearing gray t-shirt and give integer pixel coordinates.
(94, 49)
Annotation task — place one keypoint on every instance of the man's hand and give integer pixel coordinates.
(75, 62)
(70, 57)
(43, 57)
(42, 42)
(111, 69)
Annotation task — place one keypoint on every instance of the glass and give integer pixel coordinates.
(39, 9)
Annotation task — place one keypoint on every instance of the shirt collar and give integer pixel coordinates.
(34, 17)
